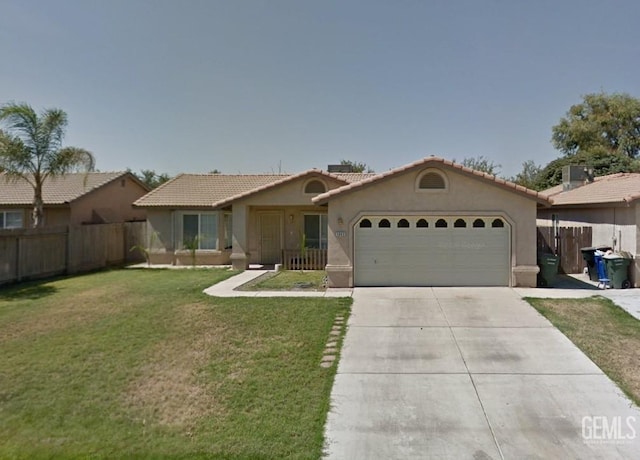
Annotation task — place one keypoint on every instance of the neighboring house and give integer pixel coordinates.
(610, 205)
(430, 223)
(73, 199)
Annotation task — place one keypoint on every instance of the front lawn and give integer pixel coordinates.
(603, 331)
(289, 280)
(140, 363)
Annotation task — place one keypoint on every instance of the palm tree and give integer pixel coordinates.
(31, 149)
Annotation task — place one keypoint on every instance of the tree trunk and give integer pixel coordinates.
(38, 206)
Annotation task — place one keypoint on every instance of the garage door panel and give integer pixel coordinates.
(432, 256)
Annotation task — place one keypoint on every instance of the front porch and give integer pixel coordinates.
(294, 237)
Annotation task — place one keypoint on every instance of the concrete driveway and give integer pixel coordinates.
(469, 373)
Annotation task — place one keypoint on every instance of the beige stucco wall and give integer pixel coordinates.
(464, 196)
(611, 226)
(113, 202)
(53, 216)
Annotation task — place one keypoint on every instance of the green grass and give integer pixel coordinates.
(603, 331)
(289, 280)
(140, 363)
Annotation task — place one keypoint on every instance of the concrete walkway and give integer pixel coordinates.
(471, 373)
(227, 288)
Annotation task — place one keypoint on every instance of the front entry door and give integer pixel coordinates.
(270, 238)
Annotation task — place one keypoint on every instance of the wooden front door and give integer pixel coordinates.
(270, 238)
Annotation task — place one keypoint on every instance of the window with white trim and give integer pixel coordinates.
(200, 231)
(316, 230)
(10, 219)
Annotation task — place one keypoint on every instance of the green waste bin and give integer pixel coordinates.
(548, 264)
(618, 270)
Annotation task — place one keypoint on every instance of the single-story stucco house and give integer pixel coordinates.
(73, 199)
(429, 223)
(610, 205)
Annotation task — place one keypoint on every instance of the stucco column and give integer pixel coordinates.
(239, 255)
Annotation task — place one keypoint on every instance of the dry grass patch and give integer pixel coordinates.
(171, 390)
(85, 307)
(605, 332)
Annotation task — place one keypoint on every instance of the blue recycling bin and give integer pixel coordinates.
(601, 270)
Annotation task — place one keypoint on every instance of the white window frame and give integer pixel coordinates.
(4, 212)
(323, 244)
(199, 214)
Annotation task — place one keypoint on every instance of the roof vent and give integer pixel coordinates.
(340, 168)
(574, 176)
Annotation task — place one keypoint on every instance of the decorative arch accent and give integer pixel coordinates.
(314, 187)
(432, 180)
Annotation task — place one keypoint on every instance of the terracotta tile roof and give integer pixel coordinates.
(56, 190)
(200, 190)
(204, 190)
(614, 188)
(438, 162)
(353, 177)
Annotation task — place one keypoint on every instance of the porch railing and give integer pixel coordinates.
(311, 259)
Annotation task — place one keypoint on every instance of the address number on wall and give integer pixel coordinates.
(341, 234)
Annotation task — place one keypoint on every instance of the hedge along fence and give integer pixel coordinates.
(38, 253)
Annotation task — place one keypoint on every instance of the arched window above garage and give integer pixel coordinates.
(365, 223)
(432, 180)
(478, 223)
(315, 186)
(441, 223)
(422, 223)
(460, 223)
(403, 223)
(497, 223)
(384, 223)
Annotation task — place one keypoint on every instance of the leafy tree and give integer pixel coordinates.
(150, 178)
(480, 163)
(529, 175)
(357, 166)
(601, 124)
(31, 149)
(601, 163)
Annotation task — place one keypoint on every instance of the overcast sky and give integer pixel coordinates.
(262, 86)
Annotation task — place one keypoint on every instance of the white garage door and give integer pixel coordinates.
(432, 251)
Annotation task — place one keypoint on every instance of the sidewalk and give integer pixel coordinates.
(227, 288)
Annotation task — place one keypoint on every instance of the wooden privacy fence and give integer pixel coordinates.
(311, 259)
(568, 241)
(38, 253)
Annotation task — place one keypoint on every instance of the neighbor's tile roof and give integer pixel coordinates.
(56, 190)
(433, 161)
(614, 188)
(200, 190)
